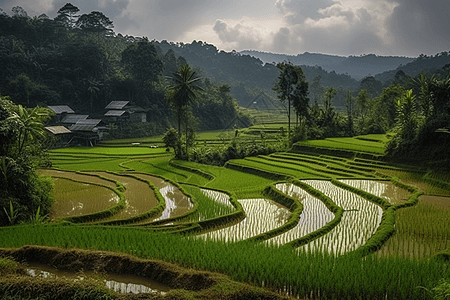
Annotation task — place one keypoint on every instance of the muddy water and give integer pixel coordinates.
(77, 177)
(262, 215)
(177, 203)
(139, 197)
(75, 199)
(122, 283)
(383, 189)
(359, 221)
(314, 215)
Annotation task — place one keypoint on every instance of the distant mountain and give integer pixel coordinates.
(246, 75)
(427, 64)
(357, 67)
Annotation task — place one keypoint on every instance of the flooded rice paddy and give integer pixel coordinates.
(359, 222)
(262, 215)
(177, 203)
(78, 198)
(383, 189)
(139, 197)
(314, 215)
(122, 283)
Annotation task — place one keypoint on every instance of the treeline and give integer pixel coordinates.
(78, 60)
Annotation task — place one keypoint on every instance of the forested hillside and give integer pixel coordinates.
(246, 74)
(430, 65)
(78, 60)
(357, 67)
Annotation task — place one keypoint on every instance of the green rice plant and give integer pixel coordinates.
(282, 168)
(254, 168)
(359, 221)
(345, 145)
(262, 215)
(327, 170)
(314, 215)
(421, 231)
(209, 205)
(305, 275)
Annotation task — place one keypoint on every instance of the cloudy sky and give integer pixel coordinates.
(345, 27)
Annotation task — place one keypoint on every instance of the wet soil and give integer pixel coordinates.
(184, 283)
(76, 198)
(383, 189)
(139, 197)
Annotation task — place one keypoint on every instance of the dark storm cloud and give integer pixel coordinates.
(418, 26)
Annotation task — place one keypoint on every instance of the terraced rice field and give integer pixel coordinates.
(314, 216)
(384, 189)
(262, 215)
(80, 198)
(359, 222)
(177, 203)
(253, 200)
(139, 197)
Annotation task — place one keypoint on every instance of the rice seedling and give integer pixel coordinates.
(309, 276)
(422, 230)
(314, 215)
(211, 204)
(384, 189)
(262, 215)
(359, 222)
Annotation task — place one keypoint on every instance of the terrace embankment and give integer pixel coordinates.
(186, 284)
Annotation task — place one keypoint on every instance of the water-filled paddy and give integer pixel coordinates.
(383, 189)
(262, 215)
(314, 215)
(359, 222)
(177, 203)
(139, 197)
(122, 283)
(77, 198)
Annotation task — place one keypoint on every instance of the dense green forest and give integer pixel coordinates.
(79, 61)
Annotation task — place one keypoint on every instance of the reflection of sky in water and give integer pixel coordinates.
(173, 201)
(218, 197)
(262, 215)
(314, 215)
(383, 189)
(359, 221)
(121, 287)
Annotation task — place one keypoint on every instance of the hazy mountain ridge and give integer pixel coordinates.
(357, 67)
(427, 64)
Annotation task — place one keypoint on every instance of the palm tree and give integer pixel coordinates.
(182, 92)
(30, 124)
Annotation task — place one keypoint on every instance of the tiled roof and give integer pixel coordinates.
(117, 104)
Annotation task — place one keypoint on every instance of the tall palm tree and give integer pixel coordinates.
(183, 92)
